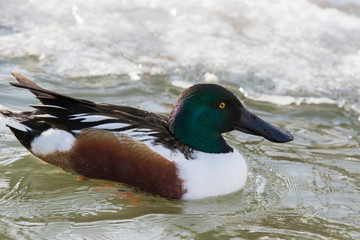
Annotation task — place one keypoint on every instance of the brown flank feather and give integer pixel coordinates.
(105, 155)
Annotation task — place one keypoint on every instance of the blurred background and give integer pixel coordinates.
(294, 63)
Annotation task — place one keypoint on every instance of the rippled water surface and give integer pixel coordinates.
(294, 63)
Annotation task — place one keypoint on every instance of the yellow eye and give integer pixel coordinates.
(222, 105)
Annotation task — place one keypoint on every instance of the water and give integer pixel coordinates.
(294, 63)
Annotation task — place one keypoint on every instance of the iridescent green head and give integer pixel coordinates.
(204, 111)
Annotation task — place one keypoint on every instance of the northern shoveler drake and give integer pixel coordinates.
(182, 156)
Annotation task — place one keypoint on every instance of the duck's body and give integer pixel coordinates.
(183, 156)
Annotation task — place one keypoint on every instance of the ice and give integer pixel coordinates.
(304, 48)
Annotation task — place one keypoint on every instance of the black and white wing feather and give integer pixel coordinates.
(73, 115)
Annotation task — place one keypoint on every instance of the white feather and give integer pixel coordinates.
(91, 118)
(212, 174)
(54, 106)
(148, 131)
(52, 140)
(111, 126)
(16, 125)
(208, 174)
(138, 132)
(45, 116)
(49, 106)
(142, 135)
(79, 115)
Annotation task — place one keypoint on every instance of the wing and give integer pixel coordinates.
(73, 115)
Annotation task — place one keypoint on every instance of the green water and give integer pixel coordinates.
(305, 189)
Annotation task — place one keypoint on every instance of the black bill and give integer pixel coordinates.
(252, 124)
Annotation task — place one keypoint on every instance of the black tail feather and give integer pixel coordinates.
(48, 97)
(26, 138)
(34, 127)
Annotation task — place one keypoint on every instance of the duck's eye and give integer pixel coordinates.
(222, 105)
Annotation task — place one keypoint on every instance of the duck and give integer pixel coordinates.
(183, 156)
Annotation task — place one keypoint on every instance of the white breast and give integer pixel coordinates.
(212, 174)
(208, 174)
